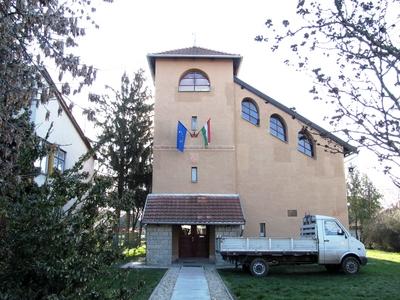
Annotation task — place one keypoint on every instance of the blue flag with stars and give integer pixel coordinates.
(180, 137)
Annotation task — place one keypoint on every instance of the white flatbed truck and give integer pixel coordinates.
(323, 240)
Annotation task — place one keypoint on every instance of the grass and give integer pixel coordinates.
(135, 284)
(383, 255)
(379, 279)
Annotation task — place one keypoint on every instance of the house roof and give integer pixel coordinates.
(195, 53)
(67, 111)
(193, 209)
(348, 149)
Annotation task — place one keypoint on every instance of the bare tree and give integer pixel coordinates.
(32, 33)
(350, 47)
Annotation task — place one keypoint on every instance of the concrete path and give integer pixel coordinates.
(191, 284)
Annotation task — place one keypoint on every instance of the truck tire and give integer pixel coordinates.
(350, 265)
(259, 267)
(333, 268)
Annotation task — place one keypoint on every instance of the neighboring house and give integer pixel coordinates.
(262, 171)
(65, 137)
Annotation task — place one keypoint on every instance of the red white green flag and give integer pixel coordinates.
(206, 133)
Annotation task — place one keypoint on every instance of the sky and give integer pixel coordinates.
(129, 30)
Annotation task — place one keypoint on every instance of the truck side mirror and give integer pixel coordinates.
(340, 232)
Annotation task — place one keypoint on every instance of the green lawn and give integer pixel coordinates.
(380, 279)
(135, 284)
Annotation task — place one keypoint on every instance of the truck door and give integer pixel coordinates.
(335, 242)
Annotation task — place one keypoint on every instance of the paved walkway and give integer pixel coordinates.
(191, 284)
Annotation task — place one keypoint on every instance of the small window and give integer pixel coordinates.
(194, 81)
(332, 228)
(201, 231)
(53, 160)
(41, 165)
(262, 230)
(250, 111)
(305, 145)
(186, 230)
(194, 123)
(59, 160)
(194, 174)
(277, 127)
(292, 212)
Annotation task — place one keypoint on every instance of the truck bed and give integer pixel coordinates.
(240, 245)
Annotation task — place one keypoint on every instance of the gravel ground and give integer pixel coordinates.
(164, 289)
(218, 290)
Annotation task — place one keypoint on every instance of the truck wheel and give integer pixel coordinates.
(350, 265)
(333, 268)
(259, 267)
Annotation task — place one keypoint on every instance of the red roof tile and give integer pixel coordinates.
(193, 209)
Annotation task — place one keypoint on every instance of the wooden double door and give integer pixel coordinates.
(193, 241)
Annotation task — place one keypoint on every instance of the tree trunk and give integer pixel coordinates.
(116, 229)
(120, 191)
(140, 234)
(128, 227)
(134, 223)
(356, 224)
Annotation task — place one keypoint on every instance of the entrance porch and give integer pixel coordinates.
(183, 228)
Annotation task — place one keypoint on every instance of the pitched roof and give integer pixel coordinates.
(348, 149)
(197, 51)
(67, 111)
(193, 52)
(193, 209)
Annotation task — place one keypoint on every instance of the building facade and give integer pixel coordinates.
(56, 125)
(271, 161)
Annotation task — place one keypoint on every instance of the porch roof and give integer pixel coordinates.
(189, 209)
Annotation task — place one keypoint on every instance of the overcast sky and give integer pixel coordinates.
(129, 30)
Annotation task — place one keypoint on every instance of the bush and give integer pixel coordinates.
(135, 252)
(46, 252)
(384, 232)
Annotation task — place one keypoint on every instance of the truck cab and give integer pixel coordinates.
(335, 243)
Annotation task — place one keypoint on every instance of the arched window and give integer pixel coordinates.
(305, 144)
(250, 111)
(277, 127)
(194, 81)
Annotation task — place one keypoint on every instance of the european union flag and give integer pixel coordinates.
(180, 137)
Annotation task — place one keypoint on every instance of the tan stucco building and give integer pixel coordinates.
(265, 167)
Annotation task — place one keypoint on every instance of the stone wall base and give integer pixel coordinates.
(159, 245)
(225, 231)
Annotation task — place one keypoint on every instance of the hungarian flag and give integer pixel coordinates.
(206, 133)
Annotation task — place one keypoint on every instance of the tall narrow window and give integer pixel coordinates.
(194, 174)
(305, 145)
(250, 111)
(262, 230)
(277, 127)
(194, 81)
(194, 123)
(59, 160)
